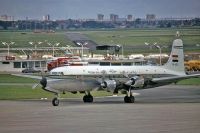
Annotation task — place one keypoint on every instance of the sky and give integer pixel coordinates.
(85, 9)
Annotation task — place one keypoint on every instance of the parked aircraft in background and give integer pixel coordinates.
(116, 78)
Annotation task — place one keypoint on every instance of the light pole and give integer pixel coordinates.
(35, 45)
(53, 45)
(122, 51)
(69, 49)
(85, 43)
(8, 44)
(122, 47)
(160, 50)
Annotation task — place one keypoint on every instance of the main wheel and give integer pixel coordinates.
(131, 99)
(126, 99)
(85, 98)
(55, 102)
(88, 99)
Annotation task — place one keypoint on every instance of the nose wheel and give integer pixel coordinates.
(55, 101)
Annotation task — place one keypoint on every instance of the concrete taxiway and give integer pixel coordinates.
(163, 109)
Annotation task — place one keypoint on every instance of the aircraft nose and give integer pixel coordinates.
(43, 82)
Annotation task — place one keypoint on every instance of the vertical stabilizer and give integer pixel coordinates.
(176, 58)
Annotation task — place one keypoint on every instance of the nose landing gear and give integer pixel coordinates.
(55, 101)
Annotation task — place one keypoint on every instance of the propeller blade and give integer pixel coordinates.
(34, 86)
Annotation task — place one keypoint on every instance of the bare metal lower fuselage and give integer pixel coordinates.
(72, 84)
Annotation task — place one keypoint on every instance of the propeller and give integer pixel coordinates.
(43, 83)
(35, 85)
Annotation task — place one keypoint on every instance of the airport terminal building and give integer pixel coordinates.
(19, 65)
(14, 63)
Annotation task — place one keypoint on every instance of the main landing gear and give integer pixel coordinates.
(88, 98)
(129, 98)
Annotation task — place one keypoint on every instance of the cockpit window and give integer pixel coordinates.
(57, 73)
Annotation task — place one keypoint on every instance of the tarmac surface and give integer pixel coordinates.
(168, 109)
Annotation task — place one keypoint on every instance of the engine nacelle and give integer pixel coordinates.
(109, 84)
(136, 82)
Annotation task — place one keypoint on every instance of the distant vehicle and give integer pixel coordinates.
(30, 70)
(192, 65)
(63, 61)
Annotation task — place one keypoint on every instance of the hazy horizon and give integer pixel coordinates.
(75, 9)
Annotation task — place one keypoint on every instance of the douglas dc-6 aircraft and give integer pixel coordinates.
(116, 78)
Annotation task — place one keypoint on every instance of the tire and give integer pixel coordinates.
(87, 99)
(55, 102)
(132, 99)
(90, 99)
(126, 99)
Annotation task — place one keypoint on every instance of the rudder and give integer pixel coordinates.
(176, 58)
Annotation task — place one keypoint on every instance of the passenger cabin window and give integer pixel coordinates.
(93, 63)
(115, 64)
(17, 64)
(138, 63)
(104, 63)
(127, 64)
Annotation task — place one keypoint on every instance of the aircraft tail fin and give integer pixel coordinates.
(176, 58)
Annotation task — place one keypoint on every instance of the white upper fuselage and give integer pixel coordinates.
(174, 66)
(112, 70)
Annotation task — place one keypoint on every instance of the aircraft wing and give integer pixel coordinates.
(34, 77)
(174, 78)
(27, 76)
